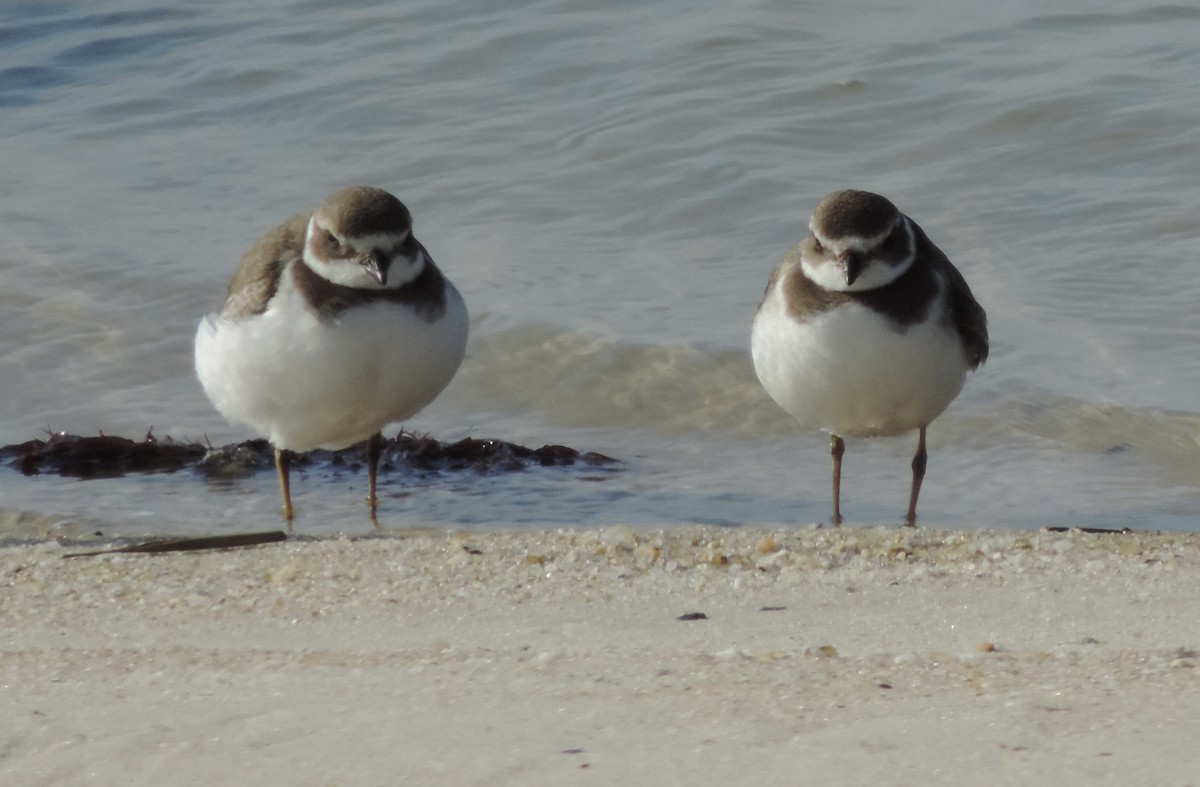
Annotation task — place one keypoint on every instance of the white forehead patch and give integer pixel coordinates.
(850, 242)
(827, 274)
(376, 240)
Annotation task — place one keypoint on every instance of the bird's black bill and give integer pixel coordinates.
(376, 264)
(852, 266)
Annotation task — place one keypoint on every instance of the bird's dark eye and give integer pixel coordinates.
(817, 245)
(332, 240)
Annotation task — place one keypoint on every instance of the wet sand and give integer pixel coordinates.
(620, 655)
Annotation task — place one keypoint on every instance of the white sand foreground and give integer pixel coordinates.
(877, 656)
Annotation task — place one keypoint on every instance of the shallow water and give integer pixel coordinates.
(609, 184)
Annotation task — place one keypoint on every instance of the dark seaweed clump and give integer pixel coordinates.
(106, 456)
(103, 456)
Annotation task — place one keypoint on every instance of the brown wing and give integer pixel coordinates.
(967, 315)
(257, 275)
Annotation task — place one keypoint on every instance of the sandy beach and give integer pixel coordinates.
(623, 655)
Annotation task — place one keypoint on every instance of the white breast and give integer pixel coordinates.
(848, 371)
(308, 384)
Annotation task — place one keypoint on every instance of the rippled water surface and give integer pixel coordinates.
(609, 184)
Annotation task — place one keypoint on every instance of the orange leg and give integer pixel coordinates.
(837, 447)
(283, 467)
(374, 447)
(918, 467)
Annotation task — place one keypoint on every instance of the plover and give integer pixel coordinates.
(866, 329)
(336, 323)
